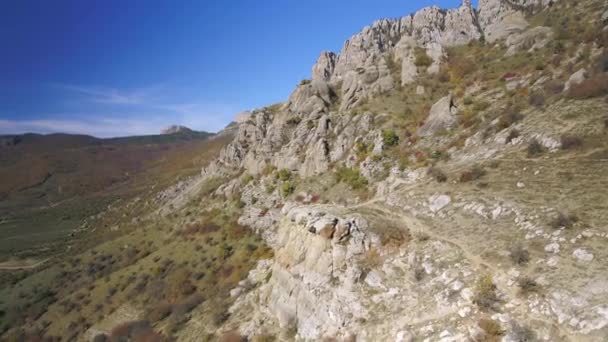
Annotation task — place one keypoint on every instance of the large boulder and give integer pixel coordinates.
(441, 116)
(576, 78)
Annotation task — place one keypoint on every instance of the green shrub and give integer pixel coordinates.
(294, 120)
(422, 59)
(362, 150)
(535, 148)
(284, 175)
(287, 188)
(305, 82)
(492, 329)
(481, 106)
(485, 292)
(468, 101)
(390, 138)
(352, 177)
(247, 179)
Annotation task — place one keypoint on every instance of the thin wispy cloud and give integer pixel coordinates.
(111, 95)
(111, 112)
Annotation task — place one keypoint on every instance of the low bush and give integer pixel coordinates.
(232, 337)
(485, 293)
(294, 121)
(535, 149)
(564, 220)
(284, 174)
(592, 87)
(419, 273)
(492, 329)
(159, 312)
(519, 255)
(570, 141)
(422, 59)
(437, 174)
(509, 117)
(527, 285)
(287, 188)
(390, 138)
(522, 333)
(513, 134)
(134, 331)
(536, 99)
(352, 177)
(474, 174)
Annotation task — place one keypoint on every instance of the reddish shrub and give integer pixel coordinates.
(226, 271)
(593, 87)
(570, 141)
(200, 228)
(473, 174)
(131, 330)
(232, 337)
(509, 76)
(263, 212)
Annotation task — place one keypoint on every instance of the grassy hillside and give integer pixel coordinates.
(50, 184)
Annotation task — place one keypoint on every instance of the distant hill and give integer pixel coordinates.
(176, 129)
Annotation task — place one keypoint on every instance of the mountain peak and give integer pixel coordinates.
(176, 129)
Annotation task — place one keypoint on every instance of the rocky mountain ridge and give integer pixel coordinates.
(340, 269)
(440, 179)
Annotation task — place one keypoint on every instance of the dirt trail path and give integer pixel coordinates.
(477, 261)
(18, 265)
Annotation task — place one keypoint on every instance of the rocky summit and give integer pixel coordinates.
(442, 178)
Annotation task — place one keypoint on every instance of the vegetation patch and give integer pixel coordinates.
(473, 174)
(352, 177)
(437, 174)
(485, 293)
(535, 149)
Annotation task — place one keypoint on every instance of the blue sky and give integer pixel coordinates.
(116, 67)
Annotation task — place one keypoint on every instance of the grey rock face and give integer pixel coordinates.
(576, 78)
(441, 116)
(361, 65)
(499, 18)
(530, 40)
(324, 67)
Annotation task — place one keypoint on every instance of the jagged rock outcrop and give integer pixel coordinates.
(500, 18)
(324, 68)
(530, 40)
(361, 65)
(289, 139)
